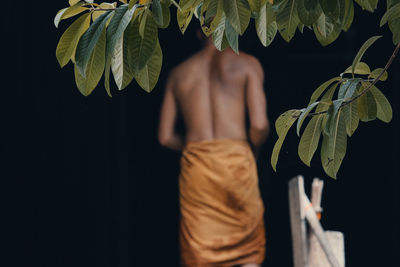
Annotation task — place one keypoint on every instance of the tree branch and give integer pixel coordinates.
(374, 81)
(110, 9)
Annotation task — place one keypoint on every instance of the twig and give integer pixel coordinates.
(110, 9)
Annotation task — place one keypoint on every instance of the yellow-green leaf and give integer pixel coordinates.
(266, 26)
(141, 49)
(184, 18)
(321, 89)
(310, 139)
(391, 14)
(334, 146)
(88, 42)
(73, 2)
(361, 68)
(97, 14)
(384, 109)
(123, 75)
(147, 77)
(362, 50)
(282, 126)
(69, 40)
(350, 114)
(375, 74)
(95, 67)
(69, 12)
(367, 109)
(287, 20)
(238, 13)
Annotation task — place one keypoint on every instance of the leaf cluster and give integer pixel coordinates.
(121, 38)
(340, 104)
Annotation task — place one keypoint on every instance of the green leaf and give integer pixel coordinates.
(326, 99)
(384, 109)
(95, 67)
(166, 15)
(282, 126)
(310, 139)
(367, 109)
(361, 68)
(369, 5)
(232, 36)
(331, 8)
(348, 88)
(69, 40)
(123, 75)
(107, 71)
(141, 49)
(303, 116)
(350, 114)
(321, 89)
(117, 26)
(333, 112)
(219, 37)
(334, 146)
(238, 14)
(375, 74)
(148, 76)
(348, 15)
(325, 25)
(287, 20)
(391, 14)
(156, 9)
(362, 50)
(309, 11)
(394, 26)
(88, 42)
(326, 30)
(266, 26)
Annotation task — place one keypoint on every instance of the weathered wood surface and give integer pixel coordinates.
(297, 223)
(302, 209)
(317, 256)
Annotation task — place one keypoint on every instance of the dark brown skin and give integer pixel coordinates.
(215, 91)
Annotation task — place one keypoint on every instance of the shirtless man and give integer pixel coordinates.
(222, 212)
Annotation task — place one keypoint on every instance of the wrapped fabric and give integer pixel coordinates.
(222, 212)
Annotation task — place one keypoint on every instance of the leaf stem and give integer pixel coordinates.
(374, 81)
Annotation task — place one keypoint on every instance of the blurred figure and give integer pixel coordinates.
(222, 212)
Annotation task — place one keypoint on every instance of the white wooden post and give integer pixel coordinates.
(300, 209)
(297, 223)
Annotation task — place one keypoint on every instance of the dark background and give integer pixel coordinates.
(85, 182)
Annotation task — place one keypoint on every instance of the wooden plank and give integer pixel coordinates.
(316, 227)
(317, 256)
(297, 223)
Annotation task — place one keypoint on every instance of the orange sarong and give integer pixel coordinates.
(222, 212)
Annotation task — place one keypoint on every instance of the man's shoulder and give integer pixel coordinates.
(250, 61)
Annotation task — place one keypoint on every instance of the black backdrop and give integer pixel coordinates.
(85, 182)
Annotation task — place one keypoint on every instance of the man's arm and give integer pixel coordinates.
(169, 111)
(257, 106)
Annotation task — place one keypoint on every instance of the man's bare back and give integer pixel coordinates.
(215, 91)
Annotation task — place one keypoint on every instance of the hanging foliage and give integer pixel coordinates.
(121, 39)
